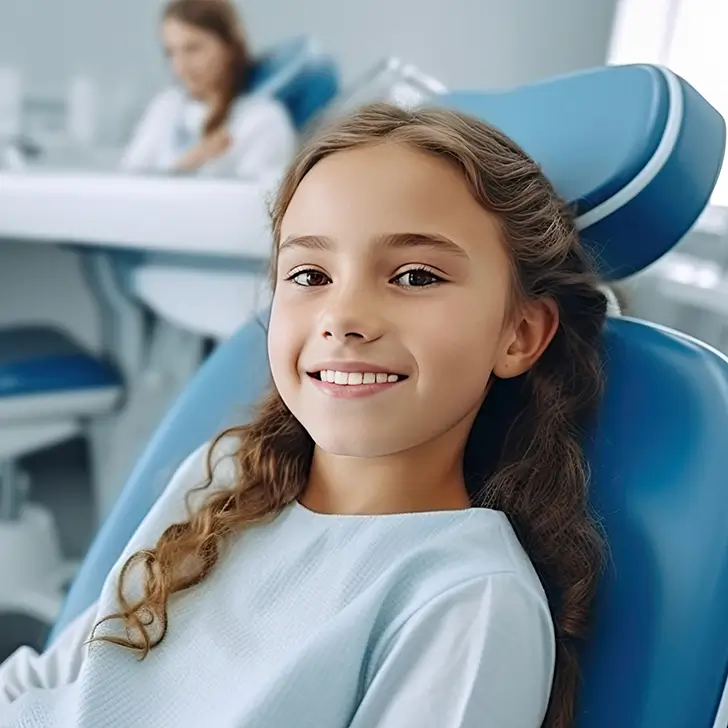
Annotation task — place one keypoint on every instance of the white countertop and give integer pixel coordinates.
(172, 214)
(187, 215)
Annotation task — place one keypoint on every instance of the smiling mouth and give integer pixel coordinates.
(356, 378)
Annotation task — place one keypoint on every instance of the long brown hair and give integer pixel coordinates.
(525, 455)
(219, 18)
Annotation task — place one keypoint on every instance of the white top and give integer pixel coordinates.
(211, 302)
(263, 139)
(431, 620)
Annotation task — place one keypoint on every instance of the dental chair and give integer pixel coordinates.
(637, 151)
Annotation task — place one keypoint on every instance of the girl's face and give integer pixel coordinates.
(389, 271)
(199, 59)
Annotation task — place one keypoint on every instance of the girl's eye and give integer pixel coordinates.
(308, 278)
(417, 278)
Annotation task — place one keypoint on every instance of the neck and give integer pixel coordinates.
(425, 478)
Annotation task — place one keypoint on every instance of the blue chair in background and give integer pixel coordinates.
(302, 77)
(51, 388)
(638, 151)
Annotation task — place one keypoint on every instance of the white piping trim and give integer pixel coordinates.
(721, 717)
(675, 113)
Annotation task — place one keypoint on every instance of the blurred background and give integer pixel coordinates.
(128, 250)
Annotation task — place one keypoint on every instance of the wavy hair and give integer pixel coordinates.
(531, 465)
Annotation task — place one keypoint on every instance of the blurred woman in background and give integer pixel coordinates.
(207, 123)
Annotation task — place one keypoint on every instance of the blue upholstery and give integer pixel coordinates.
(37, 359)
(658, 656)
(299, 76)
(620, 143)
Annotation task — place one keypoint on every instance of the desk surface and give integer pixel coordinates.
(185, 215)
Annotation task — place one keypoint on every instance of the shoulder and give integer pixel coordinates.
(159, 112)
(168, 99)
(499, 598)
(506, 602)
(491, 636)
(262, 112)
(460, 547)
(212, 467)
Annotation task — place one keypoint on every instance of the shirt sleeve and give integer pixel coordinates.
(60, 665)
(479, 656)
(142, 152)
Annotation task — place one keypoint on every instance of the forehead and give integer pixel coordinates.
(174, 29)
(383, 189)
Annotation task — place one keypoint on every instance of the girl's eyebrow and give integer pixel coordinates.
(433, 241)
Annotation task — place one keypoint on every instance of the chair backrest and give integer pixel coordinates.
(299, 75)
(658, 657)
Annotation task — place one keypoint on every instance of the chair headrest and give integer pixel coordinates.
(635, 149)
(299, 75)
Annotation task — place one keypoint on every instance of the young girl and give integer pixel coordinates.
(370, 551)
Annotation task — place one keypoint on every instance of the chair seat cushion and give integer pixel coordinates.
(42, 360)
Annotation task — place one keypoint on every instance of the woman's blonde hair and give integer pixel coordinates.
(527, 459)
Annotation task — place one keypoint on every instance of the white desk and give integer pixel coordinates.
(107, 211)
(183, 215)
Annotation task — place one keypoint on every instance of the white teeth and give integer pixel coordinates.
(355, 378)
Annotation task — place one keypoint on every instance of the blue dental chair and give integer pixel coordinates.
(637, 151)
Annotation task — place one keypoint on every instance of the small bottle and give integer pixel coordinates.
(11, 104)
(82, 111)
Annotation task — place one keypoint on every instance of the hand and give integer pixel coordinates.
(213, 145)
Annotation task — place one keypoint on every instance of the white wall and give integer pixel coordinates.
(465, 43)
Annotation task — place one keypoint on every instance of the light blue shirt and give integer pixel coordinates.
(430, 620)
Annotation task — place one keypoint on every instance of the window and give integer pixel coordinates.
(687, 36)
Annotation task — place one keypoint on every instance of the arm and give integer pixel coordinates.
(59, 665)
(479, 656)
(211, 147)
(261, 143)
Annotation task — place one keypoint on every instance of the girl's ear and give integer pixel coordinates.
(527, 337)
